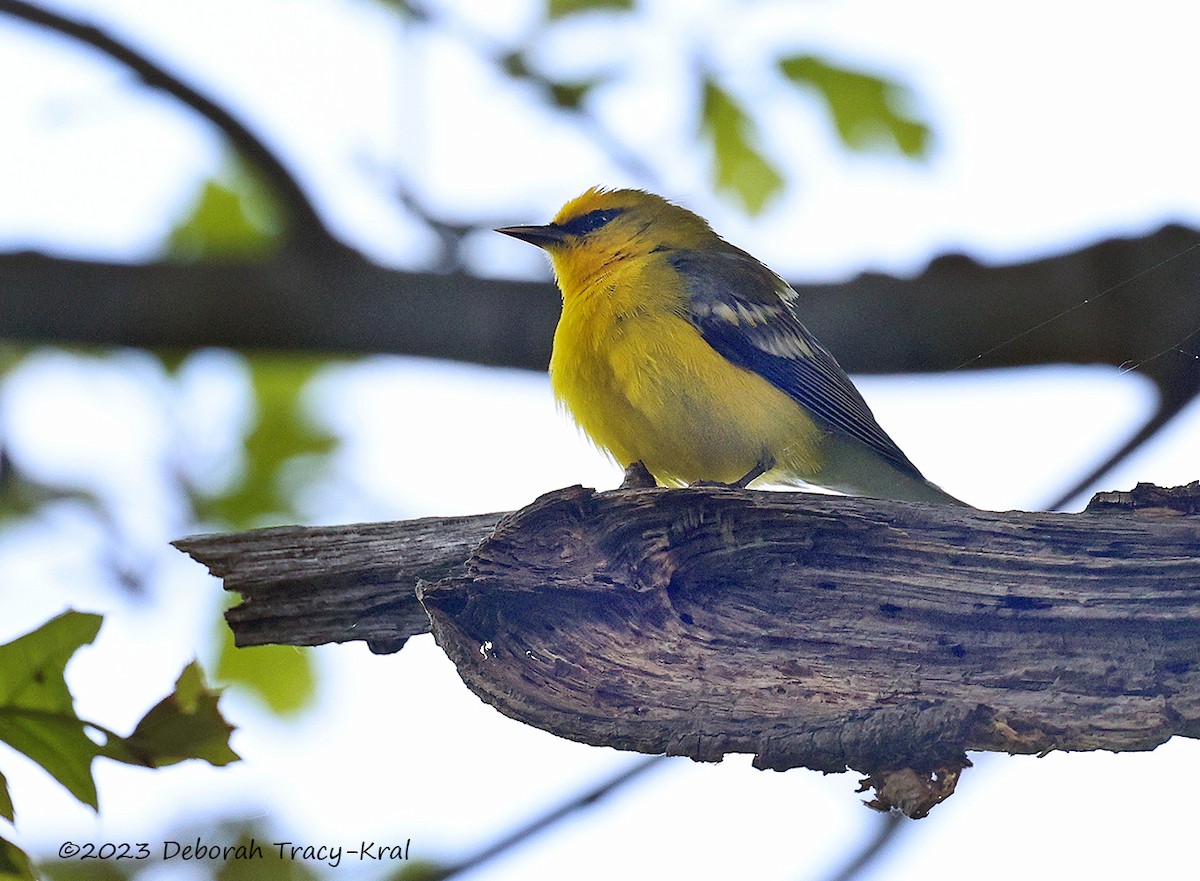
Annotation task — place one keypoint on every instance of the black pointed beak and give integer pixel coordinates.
(542, 236)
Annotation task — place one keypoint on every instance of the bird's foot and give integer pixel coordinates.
(637, 477)
(765, 464)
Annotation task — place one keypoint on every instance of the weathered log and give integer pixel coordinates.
(816, 631)
(309, 585)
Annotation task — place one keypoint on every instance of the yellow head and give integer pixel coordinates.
(602, 227)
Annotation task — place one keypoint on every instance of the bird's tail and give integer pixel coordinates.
(857, 470)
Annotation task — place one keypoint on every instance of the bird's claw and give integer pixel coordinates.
(637, 477)
(765, 464)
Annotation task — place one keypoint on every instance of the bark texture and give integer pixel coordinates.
(309, 585)
(812, 631)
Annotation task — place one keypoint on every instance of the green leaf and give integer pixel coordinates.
(569, 96)
(564, 95)
(91, 870)
(866, 110)
(738, 167)
(420, 870)
(270, 866)
(186, 724)
(14, 863)
(282, 433)
(515, 65)
(559, 8)
(404, 8)
(37, 714)
(282, 676)
(234, 214)
(6, 805)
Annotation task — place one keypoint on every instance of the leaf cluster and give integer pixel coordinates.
(869, 111)
(281, 442)
(38, 718)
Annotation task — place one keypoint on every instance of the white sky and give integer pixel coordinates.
(1056, 124)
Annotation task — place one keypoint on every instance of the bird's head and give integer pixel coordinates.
(602, 227)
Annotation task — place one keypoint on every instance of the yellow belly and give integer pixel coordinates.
(648, 387)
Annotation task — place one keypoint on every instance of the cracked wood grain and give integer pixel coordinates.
(816, 631)
(309, 585)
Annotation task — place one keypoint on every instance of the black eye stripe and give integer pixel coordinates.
(590, 222)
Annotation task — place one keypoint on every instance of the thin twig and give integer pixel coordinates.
(555, 815)
(887, 833)
(490, 52)
(305, 224)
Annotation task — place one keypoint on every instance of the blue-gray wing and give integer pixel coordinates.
(746, 312)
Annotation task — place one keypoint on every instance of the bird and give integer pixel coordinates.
(682, 354)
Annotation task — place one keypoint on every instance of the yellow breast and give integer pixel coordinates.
(644, 385)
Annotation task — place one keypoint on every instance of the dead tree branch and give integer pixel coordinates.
(815, 631)
(309, 585)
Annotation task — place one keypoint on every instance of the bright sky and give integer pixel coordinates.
(1056, 124)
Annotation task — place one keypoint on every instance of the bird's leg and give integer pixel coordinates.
(637, 477)
(765, 463)
(761, 467)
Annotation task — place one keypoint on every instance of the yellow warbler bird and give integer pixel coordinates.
(680, 351)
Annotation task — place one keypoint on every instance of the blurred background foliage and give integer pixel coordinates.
(280, 450)
(234, 215)
(276, 449)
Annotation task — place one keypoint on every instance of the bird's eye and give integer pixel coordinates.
(590, 222)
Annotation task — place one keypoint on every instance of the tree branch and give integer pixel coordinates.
(1139, 293)
(942, 319)
(816, 631)
(1121, 302)
(550, 818)
(347, 305)
(362, 588)
(305, 226)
